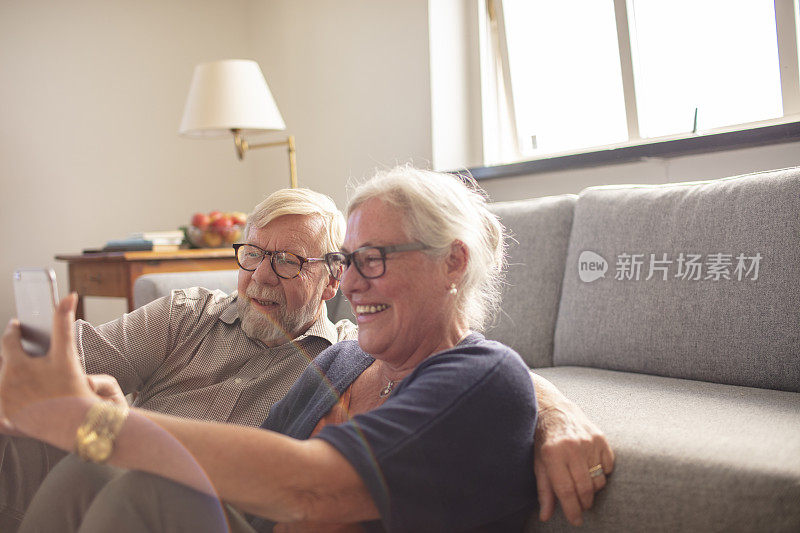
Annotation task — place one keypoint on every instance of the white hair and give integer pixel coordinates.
(438, 210)
(301, 202)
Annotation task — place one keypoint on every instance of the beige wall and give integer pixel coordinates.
(351, 78)
(92, 93)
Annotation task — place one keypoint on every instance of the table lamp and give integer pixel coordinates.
(232, 97)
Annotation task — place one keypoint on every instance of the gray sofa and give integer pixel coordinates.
(671, 315)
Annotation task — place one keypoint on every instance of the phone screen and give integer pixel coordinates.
(36, 297)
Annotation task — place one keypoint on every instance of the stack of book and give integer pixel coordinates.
(157, 241)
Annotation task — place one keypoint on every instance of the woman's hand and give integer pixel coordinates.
(29, 386)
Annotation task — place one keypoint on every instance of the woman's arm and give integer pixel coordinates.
(260, 471)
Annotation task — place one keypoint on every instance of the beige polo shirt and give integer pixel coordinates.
(186, 355)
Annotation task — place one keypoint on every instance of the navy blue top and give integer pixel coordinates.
(450, 450)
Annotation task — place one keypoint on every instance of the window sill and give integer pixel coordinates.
(693, 144)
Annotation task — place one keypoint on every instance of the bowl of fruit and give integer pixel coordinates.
(215, 229)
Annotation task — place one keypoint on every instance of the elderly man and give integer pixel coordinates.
(205, 355)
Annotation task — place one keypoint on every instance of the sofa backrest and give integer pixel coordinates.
(537, 252)
(691, 280)
(150, 287)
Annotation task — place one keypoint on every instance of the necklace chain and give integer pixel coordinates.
(387, 390)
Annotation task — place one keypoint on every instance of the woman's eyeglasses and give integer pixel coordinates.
(370, 261)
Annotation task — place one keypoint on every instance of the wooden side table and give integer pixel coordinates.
(113, 273)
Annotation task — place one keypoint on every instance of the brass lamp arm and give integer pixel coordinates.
(242, 146)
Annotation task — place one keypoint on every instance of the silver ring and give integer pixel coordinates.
(596, 471)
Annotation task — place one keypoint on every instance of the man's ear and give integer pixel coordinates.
(330, 288)
(456, 261)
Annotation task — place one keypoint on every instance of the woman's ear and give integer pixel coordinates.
(456, 261)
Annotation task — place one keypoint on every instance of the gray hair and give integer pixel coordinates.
(439, 209)
(301, 202)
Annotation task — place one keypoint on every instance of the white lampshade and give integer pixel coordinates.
(226, 95)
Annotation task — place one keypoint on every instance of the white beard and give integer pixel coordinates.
(280, 327)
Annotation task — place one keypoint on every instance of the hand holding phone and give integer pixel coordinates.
(36, 297)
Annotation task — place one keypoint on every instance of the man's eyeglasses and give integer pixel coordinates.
(286, 265)
(370, 261)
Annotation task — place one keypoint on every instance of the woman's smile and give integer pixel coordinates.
(371, 309)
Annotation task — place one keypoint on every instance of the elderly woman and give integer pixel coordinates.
(422, 424)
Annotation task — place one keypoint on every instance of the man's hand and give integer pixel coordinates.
(107, 387)
(567, 445)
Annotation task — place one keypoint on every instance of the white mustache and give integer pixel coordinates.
(278, 299)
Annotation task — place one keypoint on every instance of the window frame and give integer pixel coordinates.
(496, 80)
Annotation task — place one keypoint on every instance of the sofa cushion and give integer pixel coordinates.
(690, 455)
(692, 280)
(540, 233)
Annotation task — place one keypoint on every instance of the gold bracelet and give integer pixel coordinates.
(94, 440)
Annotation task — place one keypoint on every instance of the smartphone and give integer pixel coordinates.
(36, 296)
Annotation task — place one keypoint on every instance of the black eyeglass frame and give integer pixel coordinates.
(347, 258)
(265, 253)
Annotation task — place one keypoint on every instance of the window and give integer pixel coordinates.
(565, 74)
(573, 76)
(718, 58)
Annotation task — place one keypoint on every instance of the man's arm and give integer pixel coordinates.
(567, 445)
(129, 348)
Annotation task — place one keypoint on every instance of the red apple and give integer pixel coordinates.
(200, 220)
(239, 218)
(214, 215)
(221, 224)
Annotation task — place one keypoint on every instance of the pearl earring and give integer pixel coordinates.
(453, 289)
